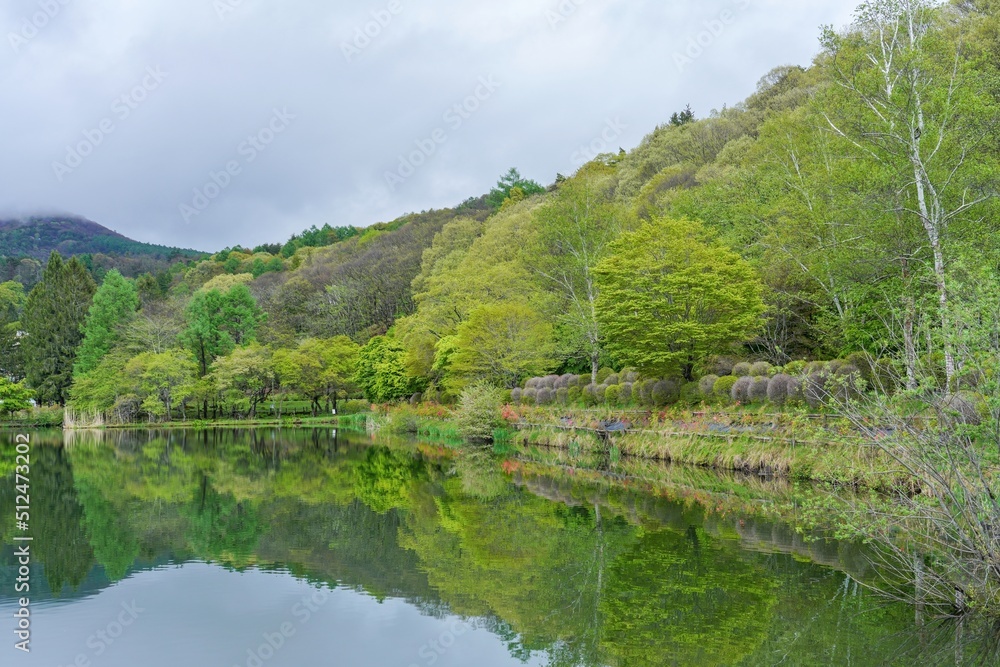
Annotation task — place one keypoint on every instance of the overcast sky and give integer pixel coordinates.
(209, 123)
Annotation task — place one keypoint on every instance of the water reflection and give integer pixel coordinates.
(558, 565)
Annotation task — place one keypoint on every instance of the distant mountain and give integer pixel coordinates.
(37, 237)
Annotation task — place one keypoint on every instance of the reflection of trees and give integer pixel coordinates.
(682, 599)
(220, 527)
(110, 532)
(60, 543)
(382, 479)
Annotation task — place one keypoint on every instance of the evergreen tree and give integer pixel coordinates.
(218, 323)
(53, 320)
(115, 303)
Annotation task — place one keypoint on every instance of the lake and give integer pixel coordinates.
(292, 548)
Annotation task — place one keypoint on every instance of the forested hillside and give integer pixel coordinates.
(845, 209)
(26, 243)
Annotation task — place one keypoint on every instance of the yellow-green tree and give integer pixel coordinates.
(501, 344)
(672, 294)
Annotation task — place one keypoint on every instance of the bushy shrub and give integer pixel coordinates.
(796, 389)
(691, 393)
(353, 407)
(612, 379)
(626, 393)
(795, 368)
(758, 390)
(720, 365)
(549, 381)
(963, 407)
(515, 396)
(603, 374)
(741, 389)
(761, 368)
(847, 383)
(590, 394)
(600, 393)
(630, 377)
(724, 386)
(562, 396)
(815, 389)
(643, 391)
(835, 365)
(742, 369)
(530, 396)
(563, 381)
(532, 383)
(574, 394)
(665, 392)
(707, 385)
(613, 395)
(572, 380)
(545, 396)
(478, 415)
(777, 388)
(815, 367)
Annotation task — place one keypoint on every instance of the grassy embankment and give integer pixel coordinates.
(789, 444)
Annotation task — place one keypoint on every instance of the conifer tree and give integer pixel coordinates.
(53, 324)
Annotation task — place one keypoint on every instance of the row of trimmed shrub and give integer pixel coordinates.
(814, 383)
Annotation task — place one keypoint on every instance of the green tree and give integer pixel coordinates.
(12, 300)
(501, 344)
(381, 371)
(249, 371)
(53, 324)
(219, 322)
(512, 179)
(672, 294)
(14, 397)
(318, 368)
(115, 304)
(574, 232)
(908, 97)
(159, 380)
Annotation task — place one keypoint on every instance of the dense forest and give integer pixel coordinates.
(843, 212)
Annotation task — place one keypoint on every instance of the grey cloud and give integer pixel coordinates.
(562, 81)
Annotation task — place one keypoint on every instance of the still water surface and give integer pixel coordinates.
(294, 548)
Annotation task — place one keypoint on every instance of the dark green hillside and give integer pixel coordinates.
(37, 237)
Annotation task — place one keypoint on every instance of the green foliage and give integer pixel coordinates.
(381, 371)
(12, 301)
(501, 344)
(219, 322)
(507, 183)
(671, 295)
(478, 415)
(53, 322)
(724, 386)
(14, 397)
(114, 305)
